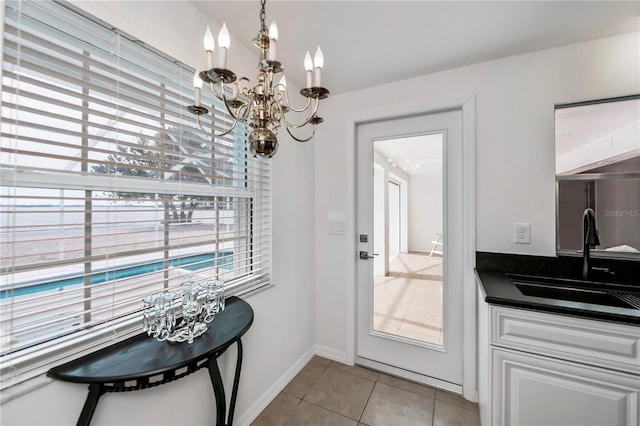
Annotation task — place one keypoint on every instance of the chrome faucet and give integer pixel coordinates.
(590, 240)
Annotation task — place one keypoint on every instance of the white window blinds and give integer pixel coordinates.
(109, 191)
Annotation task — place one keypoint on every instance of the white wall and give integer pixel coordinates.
(425, 210)
(281, 339)
(384, 174)
(515, 169)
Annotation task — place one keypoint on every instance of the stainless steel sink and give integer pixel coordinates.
(579, 291)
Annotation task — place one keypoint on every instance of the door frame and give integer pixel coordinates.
(466, 105)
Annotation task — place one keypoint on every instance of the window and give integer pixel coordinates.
(109, 191)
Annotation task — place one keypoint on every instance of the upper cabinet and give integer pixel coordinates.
(598, 167)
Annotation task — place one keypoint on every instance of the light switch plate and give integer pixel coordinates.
(337, 227)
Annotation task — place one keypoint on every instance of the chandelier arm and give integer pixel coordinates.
(213, 90)
(250, 84)
(233, 126)
(245, 116)
(199, 123)
(276, 111)
(302, 140)
(283, 88)
(229, 107)
(217, 135)
(308, 120)
(249, 93)
(236, 117)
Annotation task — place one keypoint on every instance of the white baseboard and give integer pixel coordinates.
(254, 411)
(332, 354)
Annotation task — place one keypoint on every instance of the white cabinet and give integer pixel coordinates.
(538, 368)
(536, 390)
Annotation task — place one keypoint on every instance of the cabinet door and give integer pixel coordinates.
(534, 390)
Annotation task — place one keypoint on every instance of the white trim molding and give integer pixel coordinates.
(466, 104)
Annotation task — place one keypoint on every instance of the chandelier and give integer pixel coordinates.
(262, 105)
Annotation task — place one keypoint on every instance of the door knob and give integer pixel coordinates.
(365, 255)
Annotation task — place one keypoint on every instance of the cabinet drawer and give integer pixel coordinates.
(599, 343)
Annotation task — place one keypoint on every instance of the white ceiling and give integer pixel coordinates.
(416, 155)
(367, 43)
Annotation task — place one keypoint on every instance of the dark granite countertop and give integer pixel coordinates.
(495, 272)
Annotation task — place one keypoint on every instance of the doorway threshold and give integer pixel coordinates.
(410, 375)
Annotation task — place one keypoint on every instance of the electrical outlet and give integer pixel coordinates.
(522, 233)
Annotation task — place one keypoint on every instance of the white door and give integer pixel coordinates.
(389, 305)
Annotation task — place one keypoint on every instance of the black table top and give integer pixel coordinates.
(141, 356)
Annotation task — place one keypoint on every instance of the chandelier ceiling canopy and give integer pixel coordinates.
(262, 104)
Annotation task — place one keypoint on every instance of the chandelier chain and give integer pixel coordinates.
(263, 17)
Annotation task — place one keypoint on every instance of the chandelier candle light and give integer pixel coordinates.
(261, 105)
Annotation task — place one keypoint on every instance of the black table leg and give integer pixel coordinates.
(236, 379)
(218, 390)
(96, 390)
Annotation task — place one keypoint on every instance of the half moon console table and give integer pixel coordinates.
(142, 362)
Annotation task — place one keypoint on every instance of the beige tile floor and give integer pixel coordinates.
(333, 394)
(408, 301)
